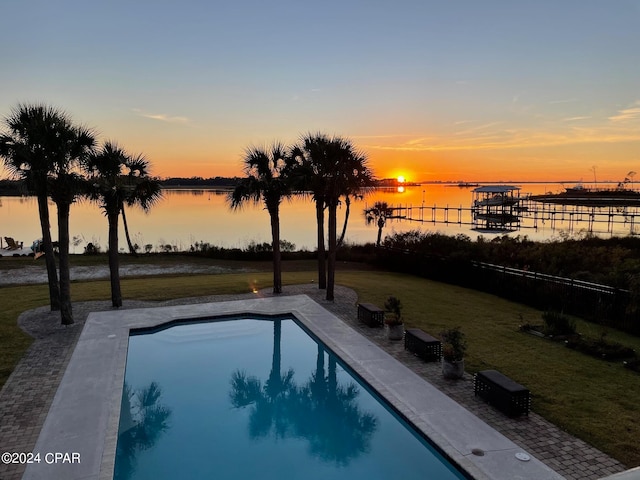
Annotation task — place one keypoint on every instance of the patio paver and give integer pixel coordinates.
(27, 395)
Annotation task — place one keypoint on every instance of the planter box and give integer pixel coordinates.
(503, 393)
(371, 315)
(423, 345)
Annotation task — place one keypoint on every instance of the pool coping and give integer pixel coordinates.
(84, 414)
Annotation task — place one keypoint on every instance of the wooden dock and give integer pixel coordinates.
(531, 215)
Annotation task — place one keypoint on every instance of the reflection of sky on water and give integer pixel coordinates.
(284, 421)
(184, 217)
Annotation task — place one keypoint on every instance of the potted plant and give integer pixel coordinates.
(394, 320)
(454, 346)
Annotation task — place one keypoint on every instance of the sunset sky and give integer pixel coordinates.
(432, 90)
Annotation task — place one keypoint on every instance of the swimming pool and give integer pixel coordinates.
(258, 398)
(85, 413)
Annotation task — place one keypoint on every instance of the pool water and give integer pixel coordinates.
(258, 398)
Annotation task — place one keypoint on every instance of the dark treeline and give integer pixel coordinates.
(200, 182)
(13, 188)
(610, 261)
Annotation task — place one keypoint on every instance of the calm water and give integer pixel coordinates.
(184, 217)
(220, 400)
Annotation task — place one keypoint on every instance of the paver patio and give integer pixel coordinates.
(27, 395)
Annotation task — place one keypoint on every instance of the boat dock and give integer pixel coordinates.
(487, 213)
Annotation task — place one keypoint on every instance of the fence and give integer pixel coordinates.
(598, 303)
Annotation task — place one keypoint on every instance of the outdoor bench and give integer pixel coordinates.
(370, 314)
(503, 393)
(422, 344)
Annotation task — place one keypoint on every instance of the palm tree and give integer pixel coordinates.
(332, 169)
(26, 150)
(75, 144)
(268, 179)
(118, 179)
(348, 174)
(353, 177)
(310, 176)
(378, 214)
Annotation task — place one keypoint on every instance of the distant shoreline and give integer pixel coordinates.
(16, 188)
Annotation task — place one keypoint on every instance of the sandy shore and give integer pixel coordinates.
(38, 273)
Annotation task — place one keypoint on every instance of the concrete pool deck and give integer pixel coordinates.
(90, 404)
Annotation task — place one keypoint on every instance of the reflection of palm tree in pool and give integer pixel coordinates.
(327, 414)
(268, 400)
(321, 411)
(142, 420)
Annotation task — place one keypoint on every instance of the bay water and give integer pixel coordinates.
(185, 217)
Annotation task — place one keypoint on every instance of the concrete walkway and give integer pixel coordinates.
(27, 395)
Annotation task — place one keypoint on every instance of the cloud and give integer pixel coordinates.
(627, 114)
(502, 139)
(574, 119)
(568, 100)
(477, 128)
(162, 117)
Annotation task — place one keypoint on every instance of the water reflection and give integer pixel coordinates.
(143, 420)
(186, 216)
(327, 414)
(322, 411)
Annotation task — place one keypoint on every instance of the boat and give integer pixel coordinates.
(495, 208)
(595, 197)
(495, 196)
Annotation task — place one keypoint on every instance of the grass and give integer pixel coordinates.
(592, 399)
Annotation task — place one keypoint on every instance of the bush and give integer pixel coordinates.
(601, 348)
(393, 306)
(454, 344)
(556, 323)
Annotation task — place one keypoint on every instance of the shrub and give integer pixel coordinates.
(393, 306)
(454, 344)
(556, 323)
(92, 249)
(601, 347)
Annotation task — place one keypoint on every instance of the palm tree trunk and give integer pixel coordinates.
(114, 261)
(66, 312)
(332, 377)
(322, 266)
(347, 202)
(275, 235)
(49, 257)
(276, 359)
(331, 260)
(132, 250)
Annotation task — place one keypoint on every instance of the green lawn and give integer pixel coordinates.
(590, 398)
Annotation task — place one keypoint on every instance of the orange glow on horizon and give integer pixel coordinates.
(546, 164)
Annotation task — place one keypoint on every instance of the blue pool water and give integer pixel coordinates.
(258, 398)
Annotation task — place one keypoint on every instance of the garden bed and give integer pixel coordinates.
(601, 348)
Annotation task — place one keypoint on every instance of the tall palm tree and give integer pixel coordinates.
(268, 180)
(66, 184)
(332, 169)
(378, 214)
(311, 176)
(118, 179)
(26, 149)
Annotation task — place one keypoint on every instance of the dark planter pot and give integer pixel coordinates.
(452, 369)
(396, 332)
